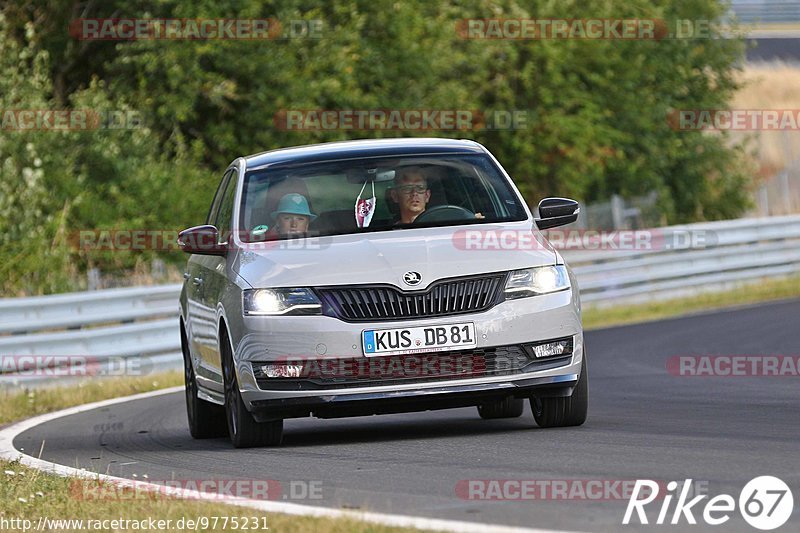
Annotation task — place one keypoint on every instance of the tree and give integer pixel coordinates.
(596, 110)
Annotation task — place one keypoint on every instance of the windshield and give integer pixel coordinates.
(337, 198)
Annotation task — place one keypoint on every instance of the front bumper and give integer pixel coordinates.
(514, 322)
(344, 404)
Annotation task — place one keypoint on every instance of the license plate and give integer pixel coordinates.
(419, 339)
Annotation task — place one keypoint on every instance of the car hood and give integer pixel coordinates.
(383, 257)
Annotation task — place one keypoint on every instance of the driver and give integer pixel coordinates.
(411, 194)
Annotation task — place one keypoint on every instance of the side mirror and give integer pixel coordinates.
(201, 240)
(557, 212)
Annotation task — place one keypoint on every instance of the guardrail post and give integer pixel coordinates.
(617, 211)
(94, 281)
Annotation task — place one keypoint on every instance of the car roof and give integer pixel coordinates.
(362, 148)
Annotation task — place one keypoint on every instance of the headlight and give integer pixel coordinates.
(539, 280)
(280, 302)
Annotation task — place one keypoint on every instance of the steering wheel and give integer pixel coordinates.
(442, 213)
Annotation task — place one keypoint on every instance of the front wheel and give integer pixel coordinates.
(563, 412)
(508, 407)
(243, 430)
(206, 420)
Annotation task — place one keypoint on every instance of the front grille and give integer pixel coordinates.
(386, 302)
(401, 369)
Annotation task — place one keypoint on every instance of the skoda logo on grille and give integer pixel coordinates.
(412, 278)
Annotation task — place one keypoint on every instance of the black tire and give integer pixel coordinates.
(508, 407)
(206, 420)
(243, 429)
(564, 412)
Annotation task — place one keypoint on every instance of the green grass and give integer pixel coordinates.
(30, 494)
(765, 291)
(16, 405)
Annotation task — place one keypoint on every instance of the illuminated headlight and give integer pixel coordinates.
(539, 280)
(280, 302)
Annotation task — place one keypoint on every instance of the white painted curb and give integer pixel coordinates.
(8, 452)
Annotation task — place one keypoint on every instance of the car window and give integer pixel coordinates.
(224, 217)
(413, 191)
(214, 209)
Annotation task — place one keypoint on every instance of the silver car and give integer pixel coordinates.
(381, 276)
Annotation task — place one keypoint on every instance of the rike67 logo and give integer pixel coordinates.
(765, 503)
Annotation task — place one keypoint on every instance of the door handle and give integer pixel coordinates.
(197, 281)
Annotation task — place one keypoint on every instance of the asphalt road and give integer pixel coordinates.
(643, 423)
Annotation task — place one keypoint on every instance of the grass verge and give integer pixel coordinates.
(765, 291)
(30, 495)
(16, 405)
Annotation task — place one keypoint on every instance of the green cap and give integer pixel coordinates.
(294, 204)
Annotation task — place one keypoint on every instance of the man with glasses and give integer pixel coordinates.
(411, 194)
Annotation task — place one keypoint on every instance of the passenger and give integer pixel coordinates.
(292, 216)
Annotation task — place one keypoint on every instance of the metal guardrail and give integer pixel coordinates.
(96, 329)
(142, 322)
(773, 11)
(736, 251)
(61, 311)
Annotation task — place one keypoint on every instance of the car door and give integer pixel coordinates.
(216, 271)
(201, 310)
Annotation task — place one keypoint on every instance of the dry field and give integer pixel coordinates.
(773, 85)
